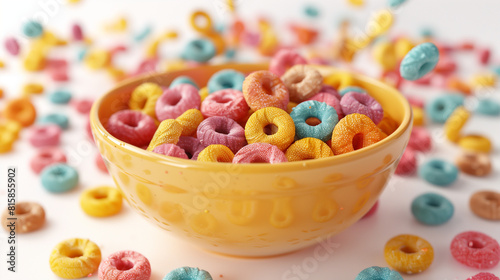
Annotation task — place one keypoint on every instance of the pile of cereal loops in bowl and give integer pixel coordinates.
(288, 112)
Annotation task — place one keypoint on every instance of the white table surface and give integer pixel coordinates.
(358, 247)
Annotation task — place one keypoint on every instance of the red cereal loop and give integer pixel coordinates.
(227, 102)
(263, 89)
(484, 55)
(125, 265)
(483, 276)
(133, 127)
(420, 139)
(407, 163)
(77, 32)
(283, 60)
(12, 46)
(82, 106)
(475, 249)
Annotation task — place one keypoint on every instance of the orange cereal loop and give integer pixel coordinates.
(455, 122)
(308, 148)
(455, 83)
(144, 98)
(190, 120)
(388, 125)
(20, 110)
(339, 80)
(280, 124)
(1, 93)
(353, 132)
(408, 253)
(263, 89)
(418, 116)
(290, 107)
(216, 153)
(168, 132)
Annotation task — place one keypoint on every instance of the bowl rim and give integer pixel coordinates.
(97, 127)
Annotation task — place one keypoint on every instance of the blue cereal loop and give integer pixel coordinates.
(188, 273)
(81, 54)
(141, 35)
(311, 11)
(183, 80)
(426, 32)
(55, 118)
(438, 172)
(396, 3)
(226, 79)
(440, 108)
(60, 96)
(351, 88)
(488, 107)
(59, 178)
(496, 69)
(230, 53)
(314, 109)
(432, 209)
(32, 29)
(419, 61)
(378, 273)
(199, 50)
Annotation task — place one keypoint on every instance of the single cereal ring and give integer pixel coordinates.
(59, 177)
(255, 128)
(216, 153)
(190, 120)
(101, 201)
(10, 127)
(263, 89)
(133, 127)
(175, 101)
(168, 131)
(420, 140)
(326, 114)
(408, 163)
(355, 102)
(353, 132)
(223, 131)
(32, 29)
(455, 122)
(378, 273)
(488, 107)
(6, 142)
(388, 125)
(302, 82)
(43, 136)
(144, 98)
(475, 249)
(12, 45)
(402, 46)
(188, 273)
(432, 209)
(191, 146)
(183, 80)
(385, 54)
(285, 59)
(419, 61)
(475, 143)
(20, 110)
(475, 164)
(199, 50)
(259, 153)
(170, 150)
(408, 253)
(75, 258)
(226, 79)
(308, 148)
(60, 96)
(55, 118)
(331, 100)
(418, 116)
(438, 172)
(486, 204)
(441, 108)
(483, 276)
(45, 157)
(30, 217)
(228, 103)
(125, 265)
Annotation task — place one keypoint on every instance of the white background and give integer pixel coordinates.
(358, 247)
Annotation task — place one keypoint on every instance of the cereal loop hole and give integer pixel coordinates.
(312, 121)
(408, 250)
(270, 129)
(124, 264)
(75, 253)
(475, 244)
(357, 141)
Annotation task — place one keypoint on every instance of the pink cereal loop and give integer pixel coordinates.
(259, 153)
(46, 135)
(170, 150)
(475, 249)
(283, 60)
(227, 102)
(45, 157)
(125, 265)
(175, 101)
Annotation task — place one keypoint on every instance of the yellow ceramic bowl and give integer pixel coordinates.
(251, 209)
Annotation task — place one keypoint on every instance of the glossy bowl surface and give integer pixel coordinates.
(251, 209)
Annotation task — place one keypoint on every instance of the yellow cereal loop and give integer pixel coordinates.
(144, 98)
(6, 142)
(190, 120)
(168, 131)
(380, 23)
(269, 40)
(35, 60)
(483, 80)
(339, 80)
(216, 153)
(203, 93)
(455, 122)
(418, 116)
(277, 120)
(32, 88)
(75, 258)
(308, 148)
(101, 201)
(10, 127)
(152, 48)
(2, 64)
(402, 46)
(385, 54)
(475, 143)
(98, 59)
(408, 253)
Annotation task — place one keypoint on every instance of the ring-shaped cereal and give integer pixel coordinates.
(223, 131)
(283, 60)
(255, 128)
(326, 114)
(263, 89)
(199, 50)
(455, 122)
(125, 265)
(191, 146)
(144, 98)
(438, 172)
(168, 131)
(259, 153)
(216, 153)
(355, 102)
(353, 132)
(29, 216)
(475, 143)
(486, 204)
(204, 29)
(378, 273)
(175, 101)
(45, 135)
(442, 107)
(302, 82)
(432, 209)
(408, 253)
(188, 273)
(475, 249)
(308, 148)
(329, 99)
(133, 127)
(59, 177)
(226, 79)
(101, 201)
(55, 118)
(6, 142)
(475, 164)
(45, 157)
(190, 120)
(75, 258)
(227, 102)
(20, 110)
(419, 61)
